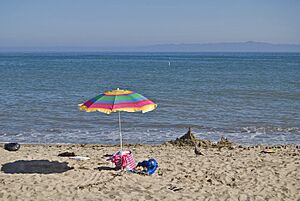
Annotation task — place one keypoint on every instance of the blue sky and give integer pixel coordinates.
(91, 23)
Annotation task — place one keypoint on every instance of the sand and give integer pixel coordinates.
(219, 174)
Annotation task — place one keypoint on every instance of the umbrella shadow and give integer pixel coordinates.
(35, 166)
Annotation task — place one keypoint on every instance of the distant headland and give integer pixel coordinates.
(249, 46)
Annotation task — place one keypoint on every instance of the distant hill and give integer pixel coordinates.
(249, 46)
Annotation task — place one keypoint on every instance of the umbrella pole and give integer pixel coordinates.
(120, 138)
(120, 131)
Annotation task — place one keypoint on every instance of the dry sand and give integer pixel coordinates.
(218, 174)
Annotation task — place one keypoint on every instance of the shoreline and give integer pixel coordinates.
(244, 139)
(145, 144)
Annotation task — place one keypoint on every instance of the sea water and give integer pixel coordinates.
(250, 98)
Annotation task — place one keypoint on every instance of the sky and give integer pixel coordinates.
(113, 23)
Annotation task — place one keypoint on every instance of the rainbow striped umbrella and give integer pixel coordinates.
(117, 101)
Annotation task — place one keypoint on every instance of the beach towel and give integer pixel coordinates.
(124, 160)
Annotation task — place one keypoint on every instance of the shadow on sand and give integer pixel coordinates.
(35, 166)
(105, 168)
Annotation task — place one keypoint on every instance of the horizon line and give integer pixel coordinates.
(153, 44)
(247, 46)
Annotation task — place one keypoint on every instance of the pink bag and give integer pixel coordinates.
(126, 161)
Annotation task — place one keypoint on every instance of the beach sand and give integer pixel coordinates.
(219, 174)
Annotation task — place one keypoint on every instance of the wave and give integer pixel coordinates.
(253, 129)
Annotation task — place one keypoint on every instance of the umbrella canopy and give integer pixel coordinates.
(117, 101)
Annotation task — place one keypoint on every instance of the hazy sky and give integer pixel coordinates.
(29, 23)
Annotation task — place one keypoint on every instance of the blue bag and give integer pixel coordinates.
(149, 166)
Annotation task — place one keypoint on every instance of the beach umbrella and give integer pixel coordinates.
(116, 101)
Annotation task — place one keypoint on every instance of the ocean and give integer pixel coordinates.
(250, 98)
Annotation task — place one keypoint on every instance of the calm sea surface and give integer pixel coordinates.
(249, 98)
